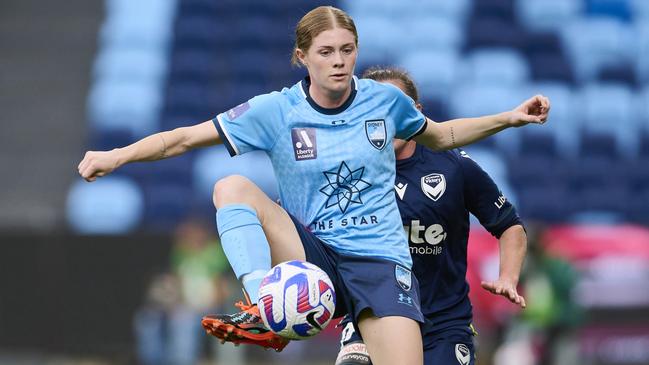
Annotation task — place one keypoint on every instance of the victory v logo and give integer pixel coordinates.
(433, 185)
(462, 354)
(344, 186)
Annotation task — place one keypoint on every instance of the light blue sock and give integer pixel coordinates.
(245, 245)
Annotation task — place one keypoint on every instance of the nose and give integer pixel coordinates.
(339, 61)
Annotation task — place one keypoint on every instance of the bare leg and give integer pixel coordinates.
(391, 340)
(278, 227)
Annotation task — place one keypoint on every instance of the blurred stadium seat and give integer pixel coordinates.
(495, 66)
(111, 205)
(125, 105)
(434, 71)
(126, 63)
(547, 15)
(468, 58)
(378, 50)
(214, 164)
(595, 42)
(616, 8)
(432, 31)
(608, 109)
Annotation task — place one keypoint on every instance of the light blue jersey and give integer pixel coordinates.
(335, 167)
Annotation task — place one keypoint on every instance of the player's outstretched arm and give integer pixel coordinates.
(154, 147)
(513, 247)
(460, 132)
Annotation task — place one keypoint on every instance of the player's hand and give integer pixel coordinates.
(97, 164)
(505, 288)
(532, 110)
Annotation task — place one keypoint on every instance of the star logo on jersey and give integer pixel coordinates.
(344, 187)
(376, 133)
(433, 185)
(400, 188)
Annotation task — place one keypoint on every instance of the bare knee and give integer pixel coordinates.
(232, 189)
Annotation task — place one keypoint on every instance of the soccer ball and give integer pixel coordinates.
(296, 299)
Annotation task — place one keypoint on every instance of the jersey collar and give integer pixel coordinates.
(416, 157)
(328, 111)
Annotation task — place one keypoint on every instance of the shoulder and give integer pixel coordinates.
(285, 98)
(379, 89)
(455, 156)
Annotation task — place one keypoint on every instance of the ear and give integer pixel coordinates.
(301, 56)
(419, 107)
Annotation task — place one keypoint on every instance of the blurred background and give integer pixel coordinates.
(121, 270)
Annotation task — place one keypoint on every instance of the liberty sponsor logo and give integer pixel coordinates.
(304, 143)
(500, 202)
(400, 188)
(433, 185)
(462, 354)
(344, 187)
(376, 133)
(403, 276)
(425, 240)
(238, 111)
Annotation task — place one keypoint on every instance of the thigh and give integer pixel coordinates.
(278, 227)
(280, 231)
(391, 340)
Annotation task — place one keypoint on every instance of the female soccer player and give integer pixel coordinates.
(329, 138)
(436, 191)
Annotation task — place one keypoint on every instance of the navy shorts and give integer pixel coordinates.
(452, 345)
(363, 282)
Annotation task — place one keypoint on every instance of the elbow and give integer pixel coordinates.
(183, 140)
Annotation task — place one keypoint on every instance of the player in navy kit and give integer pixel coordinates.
(329, 138)
(436, 191)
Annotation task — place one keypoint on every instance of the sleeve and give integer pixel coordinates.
(485, 200)
(409, 121)
(252, 125)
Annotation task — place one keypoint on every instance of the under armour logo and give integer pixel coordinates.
(404, 299)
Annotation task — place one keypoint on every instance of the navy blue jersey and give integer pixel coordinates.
(436, 191)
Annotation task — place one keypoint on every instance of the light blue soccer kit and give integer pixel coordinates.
(335, 170)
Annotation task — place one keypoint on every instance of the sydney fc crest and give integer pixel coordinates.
(433, 185)
(376, 133)
(403, 276)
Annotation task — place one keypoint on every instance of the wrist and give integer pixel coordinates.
(505, 119)
(120, 157)
(512, 279)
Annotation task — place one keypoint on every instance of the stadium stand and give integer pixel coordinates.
(188, 60)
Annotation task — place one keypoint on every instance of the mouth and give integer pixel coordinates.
(339, 77)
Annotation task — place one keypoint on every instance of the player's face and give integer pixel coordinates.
(331, 60)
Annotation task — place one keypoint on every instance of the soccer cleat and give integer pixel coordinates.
(245, 326)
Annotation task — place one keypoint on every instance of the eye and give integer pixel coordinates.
(325, 52)
(348, 51)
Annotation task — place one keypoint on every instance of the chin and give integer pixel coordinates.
(340, 86)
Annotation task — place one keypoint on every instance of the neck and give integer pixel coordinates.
(327, 98)
(406, 151)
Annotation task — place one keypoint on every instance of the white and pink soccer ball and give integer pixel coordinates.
(296, 300)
